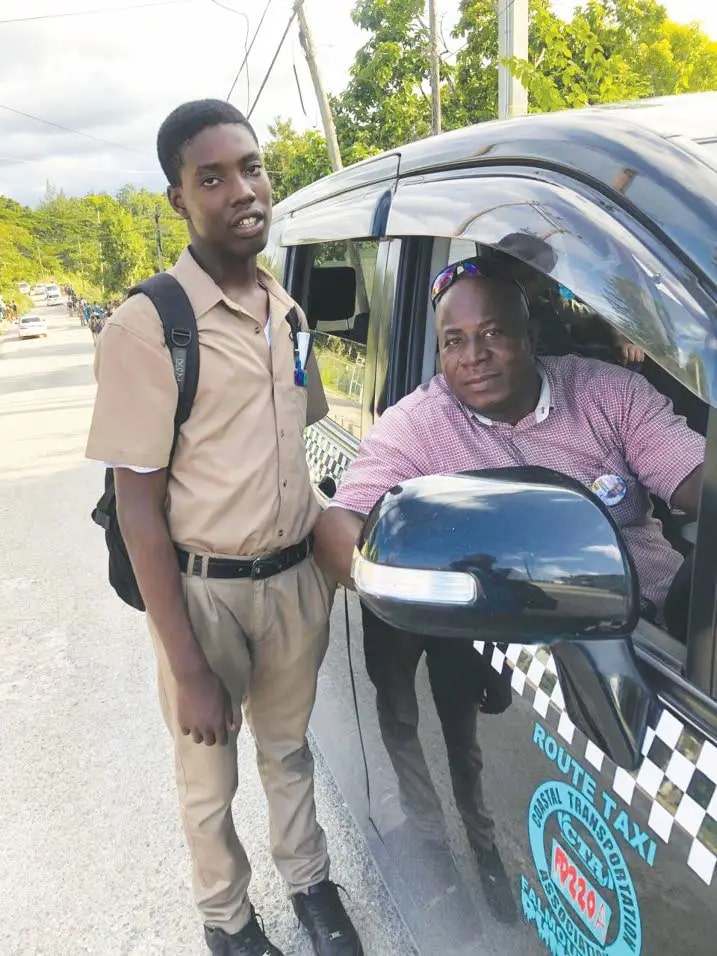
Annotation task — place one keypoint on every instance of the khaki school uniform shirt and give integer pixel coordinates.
(239, 481)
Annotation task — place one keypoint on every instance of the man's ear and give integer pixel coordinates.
(176, 201)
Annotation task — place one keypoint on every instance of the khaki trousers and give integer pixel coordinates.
(266, 641)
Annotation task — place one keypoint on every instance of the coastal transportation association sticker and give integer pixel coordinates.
(584, 903)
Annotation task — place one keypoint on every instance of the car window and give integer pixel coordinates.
(461, 249)
(338, 308)
(588, 245)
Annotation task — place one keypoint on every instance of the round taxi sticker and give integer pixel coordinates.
(610, 489)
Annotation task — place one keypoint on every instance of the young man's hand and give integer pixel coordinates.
(204, 709)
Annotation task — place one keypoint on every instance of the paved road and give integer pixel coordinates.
(92, 858)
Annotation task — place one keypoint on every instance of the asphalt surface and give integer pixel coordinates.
(92, 858)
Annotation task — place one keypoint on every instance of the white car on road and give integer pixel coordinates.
(31, 327)
(54, 296)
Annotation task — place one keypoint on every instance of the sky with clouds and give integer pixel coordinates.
(115, 75)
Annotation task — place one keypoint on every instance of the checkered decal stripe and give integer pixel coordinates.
(678, 776)
(325, 456)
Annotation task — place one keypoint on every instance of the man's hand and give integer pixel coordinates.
(629, 354)
(204, 709)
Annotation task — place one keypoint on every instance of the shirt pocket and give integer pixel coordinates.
(299, 400)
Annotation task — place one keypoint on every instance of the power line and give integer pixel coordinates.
(77, 132)
(239, 13)
(298, 87)
(88, 13)
(248, 51)
(271, 65)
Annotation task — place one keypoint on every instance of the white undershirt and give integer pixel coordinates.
(138, 469)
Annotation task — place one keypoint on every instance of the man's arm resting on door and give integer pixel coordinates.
(204, 708)
(335, 536)
(687, 495)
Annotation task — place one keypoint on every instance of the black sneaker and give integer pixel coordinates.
(323, 916)
(496, 885)
(250, 941)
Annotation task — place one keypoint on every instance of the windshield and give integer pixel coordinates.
(31, 320)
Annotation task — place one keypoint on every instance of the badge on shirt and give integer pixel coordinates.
(610, 489)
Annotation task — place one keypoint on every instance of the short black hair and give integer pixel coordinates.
(186, 122)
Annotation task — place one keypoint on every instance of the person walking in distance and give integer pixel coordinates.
(97, 321)
(237, 608)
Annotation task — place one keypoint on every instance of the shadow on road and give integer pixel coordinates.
(47, 350)
(59, 378)
(37, 409)
(51, 350)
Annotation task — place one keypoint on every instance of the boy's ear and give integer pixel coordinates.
(176, 201)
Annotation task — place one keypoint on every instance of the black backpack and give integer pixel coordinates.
(180, 333)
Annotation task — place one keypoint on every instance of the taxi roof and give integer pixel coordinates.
(691, 116)
(646, 154)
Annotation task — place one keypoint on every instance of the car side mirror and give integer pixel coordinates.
(521, 556)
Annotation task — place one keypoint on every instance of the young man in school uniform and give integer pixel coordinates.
(238, 487)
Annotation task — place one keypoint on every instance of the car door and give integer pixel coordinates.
(597, 858)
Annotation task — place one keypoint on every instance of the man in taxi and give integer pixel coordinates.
(236, 487)
(497, 405)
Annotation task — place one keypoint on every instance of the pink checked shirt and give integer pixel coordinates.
(592, 419)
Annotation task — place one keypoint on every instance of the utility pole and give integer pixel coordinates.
(327, 119)
(436, 124)
(512, 42)
(39, 258)
(102, 260)
(158, 232)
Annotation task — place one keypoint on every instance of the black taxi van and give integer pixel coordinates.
(586, 744)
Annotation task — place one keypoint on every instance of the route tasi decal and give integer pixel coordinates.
(584, 903)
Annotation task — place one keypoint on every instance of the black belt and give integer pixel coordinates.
(264, 566)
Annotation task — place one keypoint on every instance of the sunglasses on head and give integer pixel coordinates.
(466, 267)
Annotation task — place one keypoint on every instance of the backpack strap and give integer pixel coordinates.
(181, 335)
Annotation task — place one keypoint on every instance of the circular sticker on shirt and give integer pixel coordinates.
(610, 489)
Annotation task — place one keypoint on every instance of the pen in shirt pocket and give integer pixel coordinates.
(306, 347)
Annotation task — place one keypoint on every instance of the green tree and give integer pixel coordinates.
(610, 51)
(16, 252)
(472, 96)
(66, 233)
(294, 159)
(124, 253)
(386, 101)
(99, 244)
(144, 206)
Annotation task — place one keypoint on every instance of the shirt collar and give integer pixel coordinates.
(204, 294)
(542, 409)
